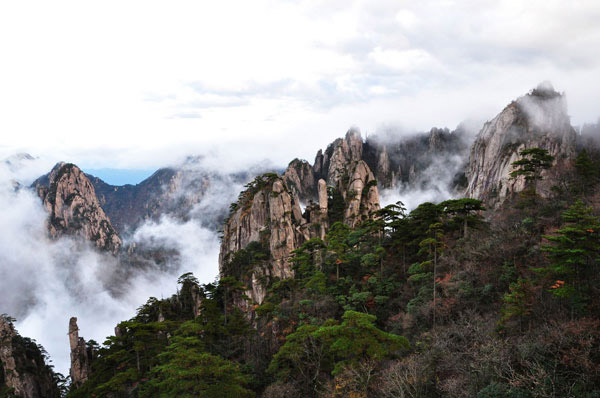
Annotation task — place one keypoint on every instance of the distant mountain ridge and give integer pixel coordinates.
(400, 163)
(278, 212)
(343, 183)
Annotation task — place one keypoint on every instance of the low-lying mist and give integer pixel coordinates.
(434, 184)
(436, 160)
(44, 282)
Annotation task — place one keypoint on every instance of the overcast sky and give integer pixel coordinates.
(141, 83)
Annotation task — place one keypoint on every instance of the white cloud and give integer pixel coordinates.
(407, 19)
(77, 77)
(44, 282)
(144, 83)
(403, 61)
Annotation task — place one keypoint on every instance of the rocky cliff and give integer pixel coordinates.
(282, 212)
(339, 187)
(536, 120)
(268, 214)
(81, 355)
(431, 160)
(23, 371)
(343, 183)
(73, 208)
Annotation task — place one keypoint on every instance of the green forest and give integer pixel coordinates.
(449, 299)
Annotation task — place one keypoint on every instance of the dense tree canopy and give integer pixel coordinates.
(449, 299)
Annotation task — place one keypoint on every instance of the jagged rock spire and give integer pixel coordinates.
(70, 199)
(269, 210)
(80, 355)
(536, 120)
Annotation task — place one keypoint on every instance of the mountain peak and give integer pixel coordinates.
(536, 120)
(545, 90)
(73, 207)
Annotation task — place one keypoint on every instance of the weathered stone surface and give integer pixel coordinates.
(244, 226)
(27, 375)
(197, 299)
(299, 177)
(318, 165)
(362, 196)
(73, 208)
(269, 215)
(536, 120)
(80, 355)
(323, 196)
(344, 152)
(269, 212)
(282, 240)
(384, 168)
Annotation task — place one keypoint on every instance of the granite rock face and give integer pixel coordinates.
(175, 191)
(300, 179)
(22, 366)
(339, 155)
(362, 196)
(536, 120)
(81, 356)
(269, 212)
(73, 208)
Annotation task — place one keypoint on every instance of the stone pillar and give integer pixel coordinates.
(80, 357)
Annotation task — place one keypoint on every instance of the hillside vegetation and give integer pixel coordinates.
(448, 300)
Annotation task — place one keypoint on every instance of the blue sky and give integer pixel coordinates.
(121, 176)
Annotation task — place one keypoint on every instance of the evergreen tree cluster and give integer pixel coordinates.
(447, 300)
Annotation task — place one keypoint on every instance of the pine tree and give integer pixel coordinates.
(430, 248)
(517, 303)
(533, 161)
(186, 370)
(464, 210)
(574, 254)
(587, 173)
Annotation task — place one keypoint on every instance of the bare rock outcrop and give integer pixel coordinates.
(362, 195)
(22, 366)
(339, 155)
(300, 179)
(73, 208)
(267, 212)
(269, 216)
(536, 120)
(80, 355)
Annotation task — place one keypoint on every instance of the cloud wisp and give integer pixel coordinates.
(45, 282)
(273, 70)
